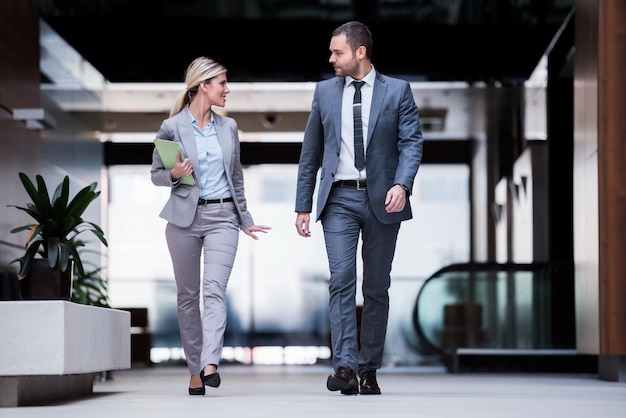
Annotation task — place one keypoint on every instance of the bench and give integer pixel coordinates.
(51, 349)
(140, 336)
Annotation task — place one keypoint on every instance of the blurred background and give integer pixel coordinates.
(488, 260)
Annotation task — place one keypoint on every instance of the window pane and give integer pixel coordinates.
(277, 295)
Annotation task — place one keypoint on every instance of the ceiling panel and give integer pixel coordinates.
(278, 40)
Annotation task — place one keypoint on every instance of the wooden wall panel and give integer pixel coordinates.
(19, 54)
(19, 87)
(612, 178)
(599, 179)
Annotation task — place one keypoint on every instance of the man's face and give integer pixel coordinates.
(342, 58)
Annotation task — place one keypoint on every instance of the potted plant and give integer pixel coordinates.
(53, 236)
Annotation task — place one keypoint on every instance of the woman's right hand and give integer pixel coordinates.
(250, 231)
(181, 168)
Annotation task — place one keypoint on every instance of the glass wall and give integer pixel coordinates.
(277, 295)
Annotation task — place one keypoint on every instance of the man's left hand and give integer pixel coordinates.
(395, 199)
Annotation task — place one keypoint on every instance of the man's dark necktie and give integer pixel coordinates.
(359, 150)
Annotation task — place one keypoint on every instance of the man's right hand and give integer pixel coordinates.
(302, 224)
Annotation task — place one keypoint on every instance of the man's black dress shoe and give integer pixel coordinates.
(344, 379)
(197, 391)
(368, 384)
(212, 379)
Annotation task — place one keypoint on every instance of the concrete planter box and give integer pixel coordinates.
(51, 349)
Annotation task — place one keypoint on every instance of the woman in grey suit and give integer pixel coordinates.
(358, 109)
(203, 216)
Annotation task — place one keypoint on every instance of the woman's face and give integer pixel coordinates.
(216, 90)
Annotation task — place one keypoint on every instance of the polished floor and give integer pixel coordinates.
(285, 391)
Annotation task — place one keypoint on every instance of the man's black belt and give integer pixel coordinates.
(354, 184)
(208, 201)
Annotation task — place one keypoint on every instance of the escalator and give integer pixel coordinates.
(498, 317)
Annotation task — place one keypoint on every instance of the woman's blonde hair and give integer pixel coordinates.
(201, 69)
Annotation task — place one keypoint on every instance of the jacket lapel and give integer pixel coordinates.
(335, 99)
(188, 139)
(378, 96)
(223, 137)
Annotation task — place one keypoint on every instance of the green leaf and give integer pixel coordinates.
(64, 255)
(78, 263)
(30, 254)
(61, 196)
(53, 251)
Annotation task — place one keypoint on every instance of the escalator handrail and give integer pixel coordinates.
(466, 267)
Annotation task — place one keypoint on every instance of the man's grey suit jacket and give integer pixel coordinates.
(394, 145)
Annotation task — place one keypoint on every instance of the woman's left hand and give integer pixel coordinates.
(250, 231)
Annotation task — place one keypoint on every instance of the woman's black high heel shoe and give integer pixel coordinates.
(212, 379)
(197, 391)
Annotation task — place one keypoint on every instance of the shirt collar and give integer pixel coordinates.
(369, 78)
(193, 119)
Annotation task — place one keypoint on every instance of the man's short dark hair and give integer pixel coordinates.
(357, 34)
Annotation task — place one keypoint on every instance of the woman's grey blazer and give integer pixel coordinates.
(180, 208)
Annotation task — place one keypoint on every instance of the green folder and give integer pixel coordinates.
(168, 150)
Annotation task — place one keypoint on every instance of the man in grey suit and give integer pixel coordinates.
(370, 200)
